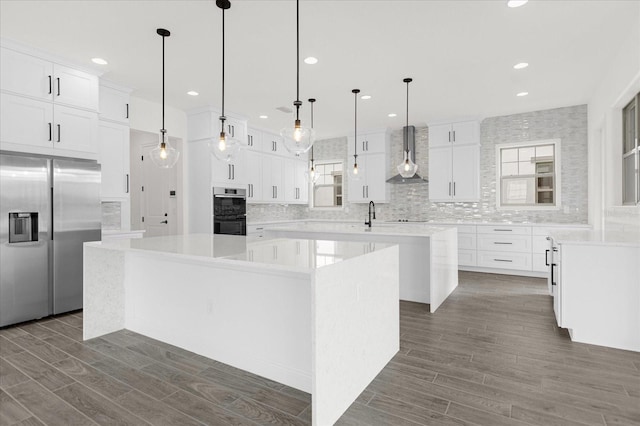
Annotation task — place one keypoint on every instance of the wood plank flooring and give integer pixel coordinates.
(490, 355)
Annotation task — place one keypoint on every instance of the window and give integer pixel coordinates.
(528, 175)
(630, 152)
(327, 192)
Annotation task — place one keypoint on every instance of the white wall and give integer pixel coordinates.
(617, 87)
(146, 116)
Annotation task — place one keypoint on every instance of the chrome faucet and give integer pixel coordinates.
(372, 210)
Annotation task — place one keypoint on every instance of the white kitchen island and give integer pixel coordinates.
(319, 316)
(428, 254)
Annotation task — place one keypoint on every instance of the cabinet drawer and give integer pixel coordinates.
(539, 263)
(504, 230)
(466, 229)
(467, 257)
(502, 260)
(509, 243)
(466, 241)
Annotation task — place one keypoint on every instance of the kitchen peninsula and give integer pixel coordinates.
(428, 254)
(318, 315)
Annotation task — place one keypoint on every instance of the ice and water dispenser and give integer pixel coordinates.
(23, 227)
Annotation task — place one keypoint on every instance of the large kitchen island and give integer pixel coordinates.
(317, 315)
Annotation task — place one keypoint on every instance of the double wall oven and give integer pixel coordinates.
(230, 211)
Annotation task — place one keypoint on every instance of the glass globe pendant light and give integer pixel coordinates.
(297, 139)
(407, 168)
(355, 172)
(224, 148)
(311, 175)
(164, 155)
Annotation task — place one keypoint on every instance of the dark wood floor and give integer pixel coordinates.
(491, 355)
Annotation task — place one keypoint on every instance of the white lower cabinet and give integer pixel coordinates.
(504, 260)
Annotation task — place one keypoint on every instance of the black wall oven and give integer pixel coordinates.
(229, 211)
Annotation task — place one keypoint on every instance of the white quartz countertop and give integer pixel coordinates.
(381, 229)
(301, 255)
(616, 238)
(383, 222)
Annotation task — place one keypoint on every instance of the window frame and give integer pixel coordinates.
(557, 184)
(634, 152)
(312, 187)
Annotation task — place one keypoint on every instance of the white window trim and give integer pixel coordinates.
(312, 192)
(557, 171)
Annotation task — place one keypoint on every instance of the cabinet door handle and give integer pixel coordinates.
(449, 189)
(127, 111)
(58, 80)
(503, 230)
(503, 260)
(50, 85)
(553, 282)
(367, 191)
(165, 222)
(58, 133)
(454, 188)
(546, 257)
(233, 171)
(50, 135)
(498, 242)
(367, 145)
(449, 140)
(229, 171)
(454, 135)
(362, 191)
(127, 191)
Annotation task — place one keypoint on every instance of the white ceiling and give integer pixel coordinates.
(459, 53)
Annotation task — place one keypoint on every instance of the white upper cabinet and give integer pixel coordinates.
(373, 160)
(254, 140)
(34, 123)
(114, 142)
(75, 88)
(204, 123)
(114, 104)
(27, 75)
(26, 121)
(272, 144)
(454, 162)
(295, 184)
(75, 129)
(371, 186)
(466, 132)
(232, 174)
(253, 160)
(272, 188)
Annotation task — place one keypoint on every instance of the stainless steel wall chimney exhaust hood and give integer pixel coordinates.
(409, 143)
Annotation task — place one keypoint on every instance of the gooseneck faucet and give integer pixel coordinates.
(372, 211)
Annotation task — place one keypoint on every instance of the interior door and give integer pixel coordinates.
(158, 205)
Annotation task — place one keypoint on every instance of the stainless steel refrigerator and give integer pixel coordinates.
(48, 209)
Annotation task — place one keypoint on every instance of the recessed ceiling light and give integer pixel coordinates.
(520, 65)
(392, 115)
(365, 97)
(99, 61)
(516, 3)
(264, 116)
(311, 60)
(522, 94)
(192, 93)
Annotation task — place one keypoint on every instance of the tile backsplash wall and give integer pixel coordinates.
(111, 215)
(411, 201)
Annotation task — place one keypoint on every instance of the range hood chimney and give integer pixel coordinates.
(409, 143)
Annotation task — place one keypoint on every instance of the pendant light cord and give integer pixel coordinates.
(163, 129)
(406, 138)
(355, 125)
(312, 101)
(222, 118)
(297, 102)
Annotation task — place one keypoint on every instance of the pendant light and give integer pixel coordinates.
(355, 172)
(164, 155)
(224, 148)
(297, 139)
(407, 168)
(311, 174)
